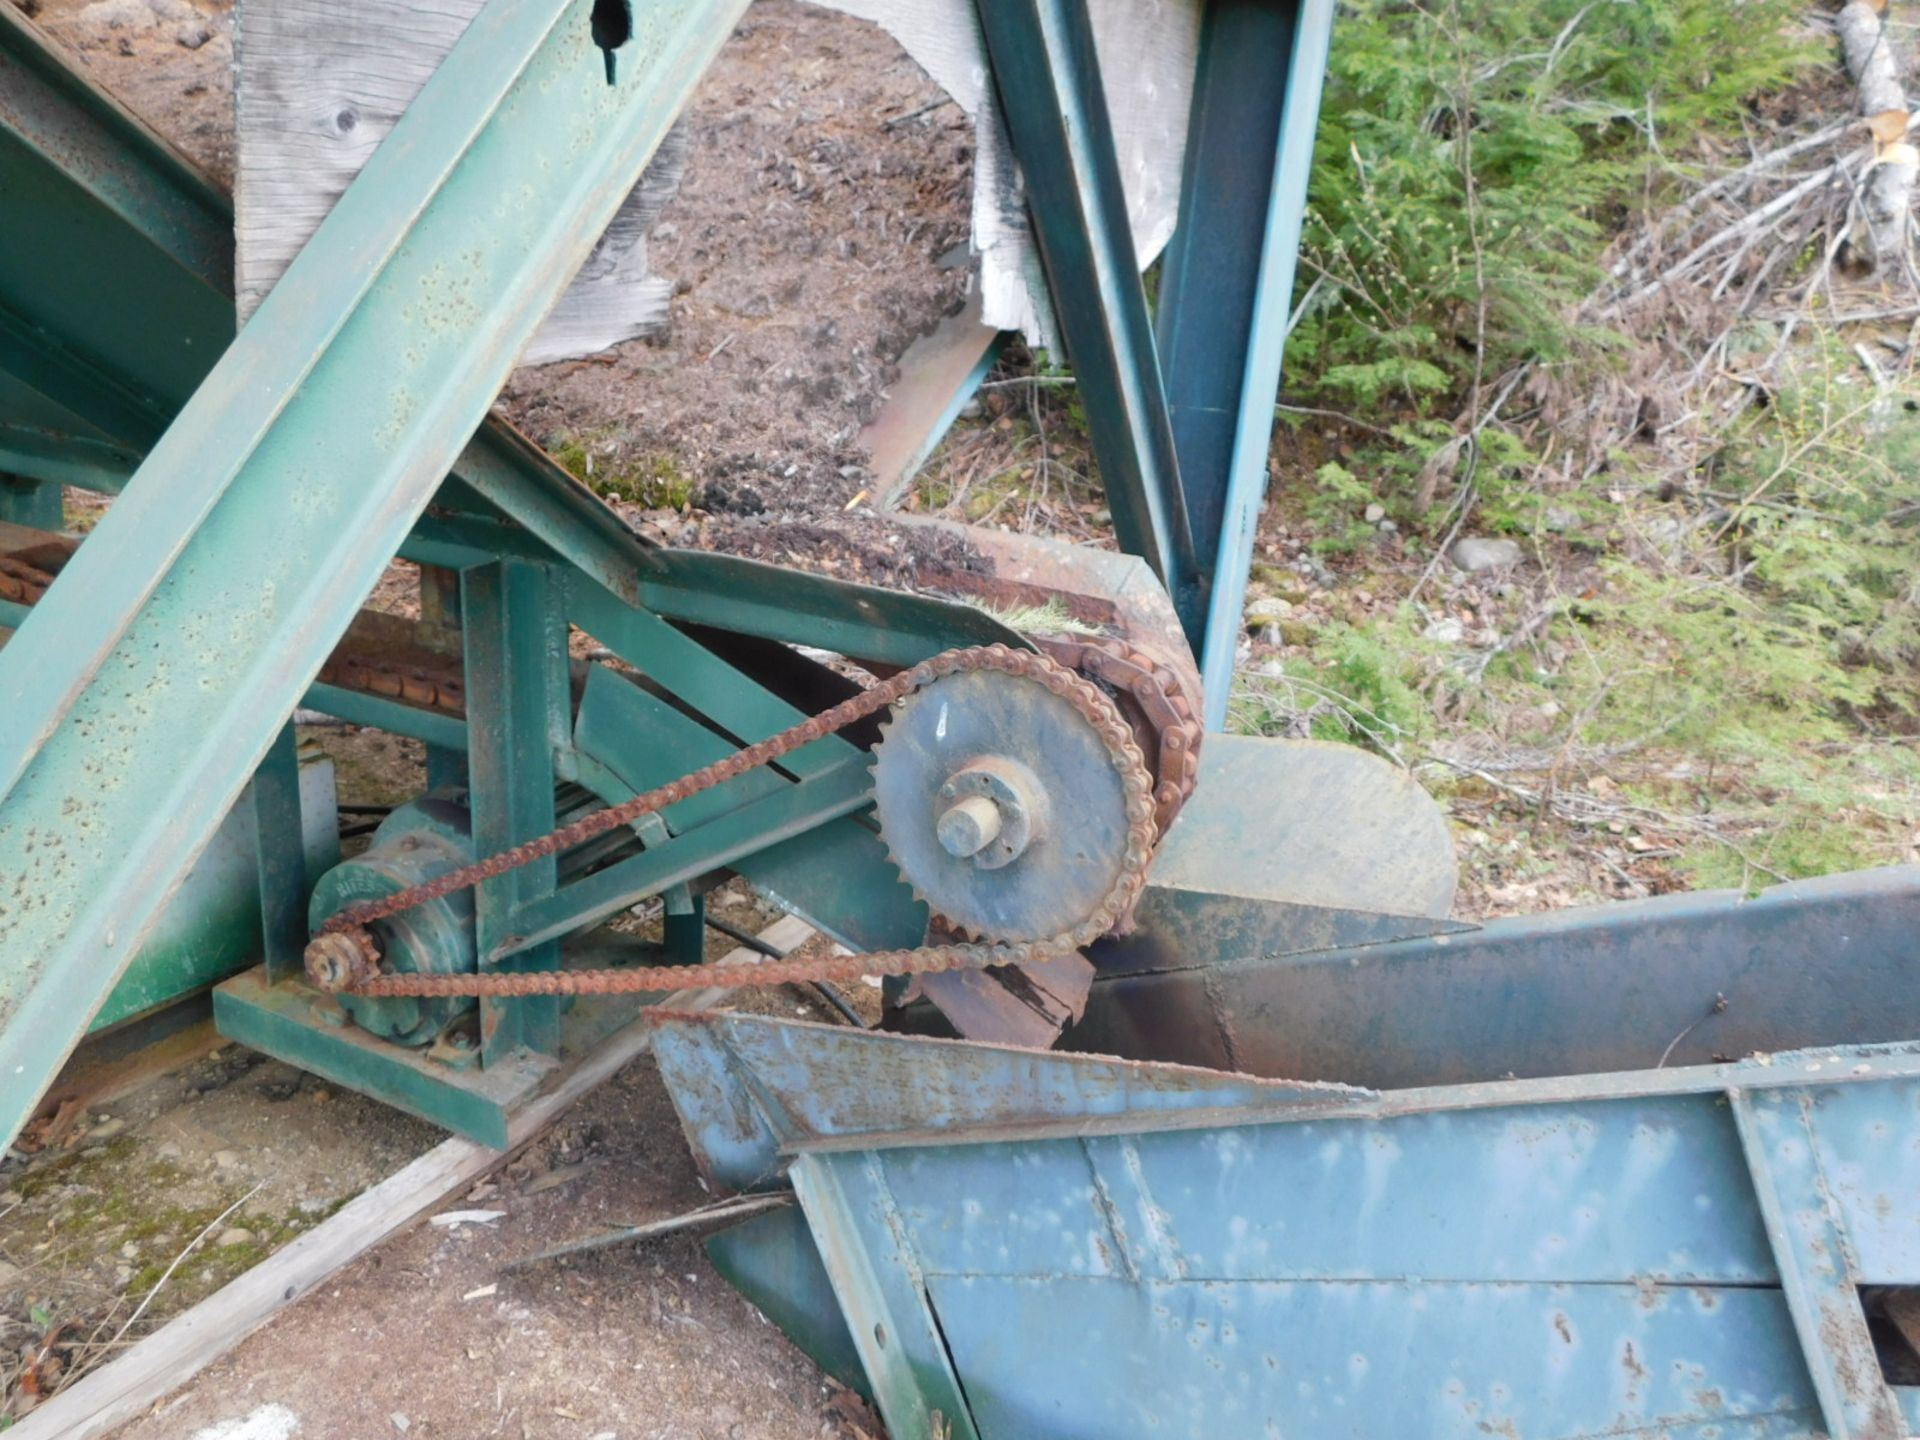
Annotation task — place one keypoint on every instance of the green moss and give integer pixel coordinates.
(653, 481)
(116, 1195)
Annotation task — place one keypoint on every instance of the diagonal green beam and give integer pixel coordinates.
(1047, 74)
(115, 278)
(146, 687)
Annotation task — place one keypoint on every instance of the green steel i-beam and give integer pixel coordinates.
(115, 278)
(1047, 75)
(143, 691)
(514, 634)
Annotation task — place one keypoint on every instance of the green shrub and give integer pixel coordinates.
(1471, 160)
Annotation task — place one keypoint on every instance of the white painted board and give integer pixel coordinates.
(1147, 51)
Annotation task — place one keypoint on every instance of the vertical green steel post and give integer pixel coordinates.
(1226, 286)
(512, 630)
(33, 503)
(441, 629)
(684, 922)
(281, 856)
(1047, 76)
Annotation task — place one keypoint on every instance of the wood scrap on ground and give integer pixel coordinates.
(1875, 66)
(165, 1360)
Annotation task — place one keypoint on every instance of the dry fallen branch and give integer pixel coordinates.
(1873, 64)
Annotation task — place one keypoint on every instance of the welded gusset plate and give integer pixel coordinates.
(1000, 805)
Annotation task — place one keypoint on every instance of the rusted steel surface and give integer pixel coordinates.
(1165, 720)
(382, 655)
(1106, 1248)
(1681, 979)
(342, 954)
(20, 582)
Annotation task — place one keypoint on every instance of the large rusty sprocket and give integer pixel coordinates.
(344, 956)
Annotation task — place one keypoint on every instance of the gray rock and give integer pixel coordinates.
(1560, 519)
(1475, 554)
(1269, 611)
(1668, 536)
(1375, 514)
(1448, 631)
(234, 1235)
(1387, 527)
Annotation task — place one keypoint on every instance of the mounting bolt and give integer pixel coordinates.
(968, 827)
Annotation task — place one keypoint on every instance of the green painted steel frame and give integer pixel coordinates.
(155, 675)
(1047, 76)
(516, 725)
(115, 281)
(1226, 287)
(1181, 414)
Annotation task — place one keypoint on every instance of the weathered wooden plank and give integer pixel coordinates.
(320, 83)
(187, 1344)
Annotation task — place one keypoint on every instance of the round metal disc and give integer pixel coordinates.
(1074, 854)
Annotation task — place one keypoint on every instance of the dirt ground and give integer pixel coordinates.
(634, 1343)
(151, 1201)
(820, 228)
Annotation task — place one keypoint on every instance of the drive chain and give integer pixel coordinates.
(343, 955)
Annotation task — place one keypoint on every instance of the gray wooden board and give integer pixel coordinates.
(319, 84)
(165, 1360)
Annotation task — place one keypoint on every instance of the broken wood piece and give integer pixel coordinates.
(736, 1208)
(1886, 196)
(554, 1179)
(452, 1218)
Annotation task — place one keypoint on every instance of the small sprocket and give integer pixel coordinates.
(1001, 806)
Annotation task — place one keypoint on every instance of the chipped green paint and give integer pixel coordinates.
(148, 684)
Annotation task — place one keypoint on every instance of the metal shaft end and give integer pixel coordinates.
(341, 960)
(968, 826)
